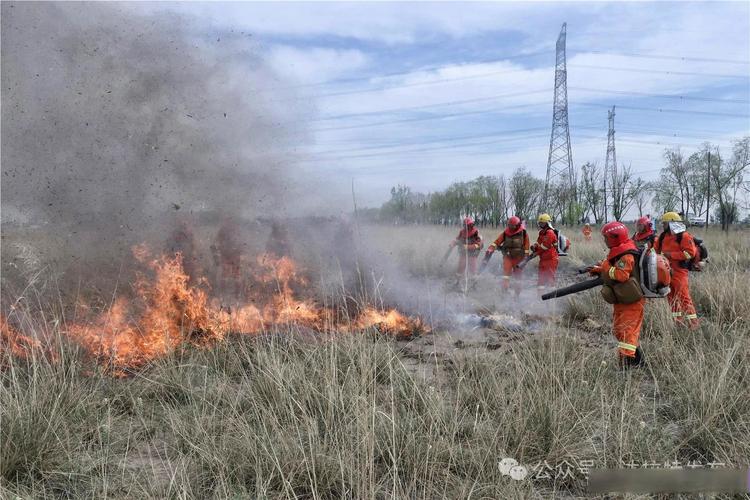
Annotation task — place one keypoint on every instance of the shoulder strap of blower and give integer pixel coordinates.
(678, 236)
(634, 253)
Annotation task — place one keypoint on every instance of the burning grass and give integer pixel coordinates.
(170, 309)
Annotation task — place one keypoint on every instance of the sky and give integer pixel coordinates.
(425, 94)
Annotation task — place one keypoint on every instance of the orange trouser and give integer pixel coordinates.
(626, 324)
(508, 272)
(547, 271)
(467, 263)
(679, 296)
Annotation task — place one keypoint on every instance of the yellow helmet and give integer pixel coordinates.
(671, 217)
(544, 218)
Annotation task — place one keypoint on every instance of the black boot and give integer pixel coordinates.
(628, 362)
(639, 359)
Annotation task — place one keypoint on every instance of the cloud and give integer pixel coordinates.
(452, 44)
(314, 64)
(385, 23)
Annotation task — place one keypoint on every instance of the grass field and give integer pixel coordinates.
(342, 415)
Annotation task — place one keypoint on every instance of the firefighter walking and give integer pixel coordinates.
(622, 289)
(469, 244)
(644, 234)
(587, 232)
(677, 245)
(546, 249)
(513, 242)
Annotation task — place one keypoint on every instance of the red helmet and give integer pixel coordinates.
(514, 221)
(644, 220)
(615, 233)
(468, 222)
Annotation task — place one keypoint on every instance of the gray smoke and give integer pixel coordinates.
(119, 128)
(113, 123)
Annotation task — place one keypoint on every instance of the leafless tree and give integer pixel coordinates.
(623, 192)
(727, 180)
(592, 195)
(642, 193)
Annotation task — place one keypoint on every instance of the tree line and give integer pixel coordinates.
(703, 184)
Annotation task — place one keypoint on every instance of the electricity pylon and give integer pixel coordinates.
(560, 160)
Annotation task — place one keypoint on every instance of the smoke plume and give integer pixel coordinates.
(113, 123)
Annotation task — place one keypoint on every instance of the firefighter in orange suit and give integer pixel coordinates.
(469, 244)
(644, 234)
(677, 245)
(546, 249)
(586, 232)
(514, 243)
(621, 288)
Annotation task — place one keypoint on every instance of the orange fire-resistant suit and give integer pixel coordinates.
(627, 319)
(546, 249)
(587, 232)
(515, 246)
(469, 244)
(679, 249)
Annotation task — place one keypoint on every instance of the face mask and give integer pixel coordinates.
(676, 227)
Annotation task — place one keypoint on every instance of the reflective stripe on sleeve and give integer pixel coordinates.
(612, 272)
(687, 255)
(677, 314)
(544, 247)
(691, 316)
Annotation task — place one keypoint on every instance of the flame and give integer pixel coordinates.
(14, 342)
(21, 346)
(390, 322)
(171, 310)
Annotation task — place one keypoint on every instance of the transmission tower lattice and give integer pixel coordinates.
(610, 164)
(560, 161)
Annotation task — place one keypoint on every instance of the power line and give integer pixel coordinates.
(335, 157)
(649, 131)
(652, 71)
(519, 106)
(699, 131)
(426, 106)
(428, 118)
(438, 141)
(662, 96)
(628, 128)
(422, 150)
(664, 110)
(518, 94)
(666, 57)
